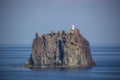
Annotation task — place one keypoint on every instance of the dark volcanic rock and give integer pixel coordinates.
(60, 49)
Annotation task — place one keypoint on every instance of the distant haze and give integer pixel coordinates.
(97, 20)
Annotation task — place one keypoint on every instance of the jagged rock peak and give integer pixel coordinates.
(37, 35)
(60, 49)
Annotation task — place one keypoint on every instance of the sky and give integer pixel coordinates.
(97, 20)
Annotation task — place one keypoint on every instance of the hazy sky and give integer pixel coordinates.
(98, 20)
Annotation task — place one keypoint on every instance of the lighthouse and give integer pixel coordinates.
(73, 27)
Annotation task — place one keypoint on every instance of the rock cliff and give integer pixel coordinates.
(61, 49)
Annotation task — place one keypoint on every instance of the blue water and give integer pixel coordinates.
(106, 58)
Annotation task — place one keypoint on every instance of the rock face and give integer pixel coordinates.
(60, 49)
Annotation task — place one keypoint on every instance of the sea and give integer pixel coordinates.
(12, 57)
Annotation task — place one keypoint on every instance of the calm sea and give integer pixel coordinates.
(13, 56)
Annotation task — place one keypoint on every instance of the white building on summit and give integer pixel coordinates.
(73, 27)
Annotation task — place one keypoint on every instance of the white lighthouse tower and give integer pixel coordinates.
(73, 27)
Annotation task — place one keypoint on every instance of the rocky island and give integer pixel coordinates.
(61, 49)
